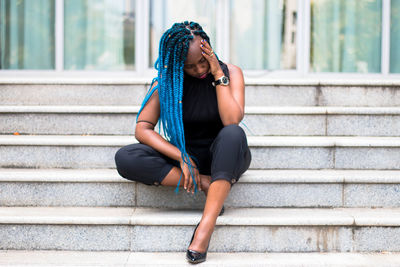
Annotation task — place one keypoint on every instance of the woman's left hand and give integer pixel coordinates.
(208, 53)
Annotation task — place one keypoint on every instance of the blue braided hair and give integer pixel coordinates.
(173, 49)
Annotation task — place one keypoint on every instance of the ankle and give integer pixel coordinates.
(205, 190)
(201, 241)
(204, 229)
(205, 183)
(201, 244)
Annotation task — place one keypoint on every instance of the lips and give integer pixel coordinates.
(202, 76)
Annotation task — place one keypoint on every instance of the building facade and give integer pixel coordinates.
(264, 37)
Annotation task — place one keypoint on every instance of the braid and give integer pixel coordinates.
(173, 49)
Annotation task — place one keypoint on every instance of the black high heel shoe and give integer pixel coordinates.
(194, 256)
(222, 211)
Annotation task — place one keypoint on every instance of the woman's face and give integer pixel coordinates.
(196, 65)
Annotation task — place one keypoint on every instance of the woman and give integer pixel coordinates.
(199, 102)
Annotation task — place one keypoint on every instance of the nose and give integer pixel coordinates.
(200, 69)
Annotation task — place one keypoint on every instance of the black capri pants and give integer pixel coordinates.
(226, 157)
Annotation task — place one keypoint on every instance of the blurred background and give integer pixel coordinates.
(261, 36)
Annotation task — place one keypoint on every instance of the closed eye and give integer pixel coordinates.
(189, 66)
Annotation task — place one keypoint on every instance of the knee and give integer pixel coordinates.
(120, 156)
(121, 161)
(126, 160)
(232, 133)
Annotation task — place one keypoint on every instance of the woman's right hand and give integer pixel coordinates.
(188, 181)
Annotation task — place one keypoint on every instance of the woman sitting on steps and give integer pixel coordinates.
(199, 101)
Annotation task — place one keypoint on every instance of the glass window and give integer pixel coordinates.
(27, 38)
(164, 13)
(99, 35)
(395, 37)
(263, 34)
(346, 35)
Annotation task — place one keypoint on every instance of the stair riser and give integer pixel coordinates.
(79, 94)
(67, 194)
(322, 95)
(65, 237)
(326, 158)
(262, 157)
(77, 124)
(124, 124)
(224, 239)
(242, 195)
(323, 125)
(296, 95)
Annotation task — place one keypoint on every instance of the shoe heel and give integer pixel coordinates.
(222, 211)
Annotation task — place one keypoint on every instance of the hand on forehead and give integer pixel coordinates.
(194, 52)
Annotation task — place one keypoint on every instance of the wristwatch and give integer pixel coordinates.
(223, 81)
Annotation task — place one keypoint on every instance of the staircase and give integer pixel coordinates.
(324, 178)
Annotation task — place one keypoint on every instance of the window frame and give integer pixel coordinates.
(385, 46)
(144, 72)
(59, 36)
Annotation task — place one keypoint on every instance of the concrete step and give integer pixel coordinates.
(120, 120)
(256, 188)
(71, 94)
(238, 230)
(243, 259)
(267, 92)
(274, 152)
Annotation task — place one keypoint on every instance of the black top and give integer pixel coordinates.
(201, 120)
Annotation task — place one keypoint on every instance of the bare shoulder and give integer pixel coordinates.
(236, 76)
(155, 93)
(154, 84)
(234, 70)
(153, 102)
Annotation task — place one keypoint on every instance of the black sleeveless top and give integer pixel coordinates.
(201, 120)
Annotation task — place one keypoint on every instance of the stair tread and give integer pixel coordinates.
(231, 217)
(250, 176)
(107, 109)
(126, 258)
(281, 141)
(44, 78)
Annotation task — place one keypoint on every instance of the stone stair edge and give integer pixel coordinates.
(128, 258)
(350, 217)
(126, 80)
(250, 110)
(253, 141)
(251, 176)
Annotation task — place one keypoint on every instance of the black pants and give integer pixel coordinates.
(226, 157)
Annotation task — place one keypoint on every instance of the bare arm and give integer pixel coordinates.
(231, 98)
(144, 131)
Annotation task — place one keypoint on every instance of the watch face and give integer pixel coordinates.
(223, 80)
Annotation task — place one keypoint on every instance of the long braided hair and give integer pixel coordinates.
(173, 49)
